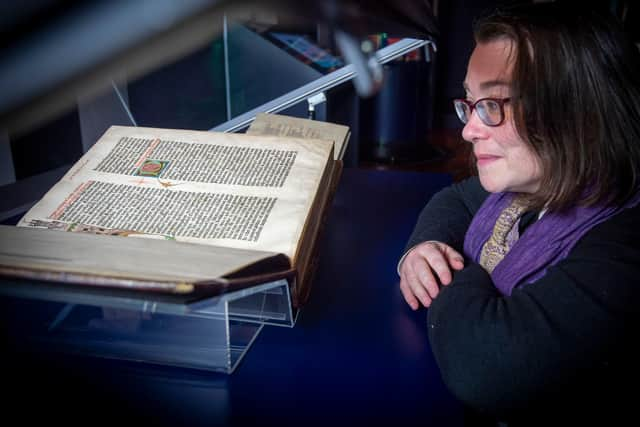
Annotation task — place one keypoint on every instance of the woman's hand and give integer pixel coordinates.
(424, 268)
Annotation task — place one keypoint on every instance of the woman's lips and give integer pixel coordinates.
(485, 159)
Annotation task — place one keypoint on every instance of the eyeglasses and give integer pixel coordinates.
(490, 110)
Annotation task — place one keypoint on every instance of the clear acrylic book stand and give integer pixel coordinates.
(212, 334)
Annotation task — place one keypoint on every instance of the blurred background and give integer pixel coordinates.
(71, 69)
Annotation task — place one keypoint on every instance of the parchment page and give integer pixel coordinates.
(232, 190)
(294, 127)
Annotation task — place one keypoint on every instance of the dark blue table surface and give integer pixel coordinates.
(357, 354)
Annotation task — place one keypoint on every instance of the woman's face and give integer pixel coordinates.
(505, 162)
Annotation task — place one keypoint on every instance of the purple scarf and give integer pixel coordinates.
(542, 245)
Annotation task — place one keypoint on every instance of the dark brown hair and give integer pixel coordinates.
(575, 95)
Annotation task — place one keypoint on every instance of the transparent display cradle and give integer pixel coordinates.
(213, 334)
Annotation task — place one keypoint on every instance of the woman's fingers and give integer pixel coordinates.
(434, 255)
(454, 258)
(424, 269)
(407, 292)
(421, 280)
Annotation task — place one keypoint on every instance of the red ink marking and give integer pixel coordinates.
(147, 152)
(69, 200)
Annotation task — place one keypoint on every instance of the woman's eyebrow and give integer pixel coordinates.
(493, 83)
(490, 84)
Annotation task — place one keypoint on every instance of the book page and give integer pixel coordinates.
(232, 190)
(294, 127)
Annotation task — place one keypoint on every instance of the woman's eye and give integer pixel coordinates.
(492, 107)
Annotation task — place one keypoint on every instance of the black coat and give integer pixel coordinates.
(561, 349)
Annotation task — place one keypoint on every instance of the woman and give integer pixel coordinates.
(531, 270)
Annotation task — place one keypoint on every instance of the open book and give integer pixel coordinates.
(185, 214)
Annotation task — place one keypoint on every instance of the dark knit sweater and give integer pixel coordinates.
(559, 349)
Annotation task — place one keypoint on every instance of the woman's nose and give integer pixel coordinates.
(474, 129)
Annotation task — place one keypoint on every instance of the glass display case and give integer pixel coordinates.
(213, 334)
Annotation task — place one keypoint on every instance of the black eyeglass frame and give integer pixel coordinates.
(472, 106)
